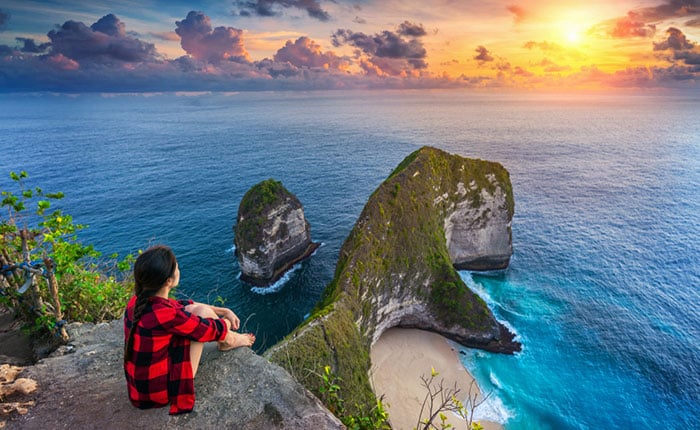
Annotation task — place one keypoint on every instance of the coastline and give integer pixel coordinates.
(399, 358)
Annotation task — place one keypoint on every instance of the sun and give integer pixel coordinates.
(573, 36)
(571, 27)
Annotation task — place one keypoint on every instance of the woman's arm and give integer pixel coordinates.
(226, 314)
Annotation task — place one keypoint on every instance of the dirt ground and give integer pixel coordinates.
(15, 346)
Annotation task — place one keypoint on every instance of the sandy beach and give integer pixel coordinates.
(400, 358)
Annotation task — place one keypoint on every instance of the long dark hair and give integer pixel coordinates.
(152, 270)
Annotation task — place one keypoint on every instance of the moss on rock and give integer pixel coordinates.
(395, 269)
(271, 234)
(255, 202)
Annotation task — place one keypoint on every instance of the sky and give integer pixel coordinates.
(78, 46)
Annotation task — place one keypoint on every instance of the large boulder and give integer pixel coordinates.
(435, 212)
(271, 233)
(82, 386)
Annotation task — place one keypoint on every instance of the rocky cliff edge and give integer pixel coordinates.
(82, 386)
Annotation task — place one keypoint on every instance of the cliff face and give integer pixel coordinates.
(272, 233)
(86, 389)
(435, 212)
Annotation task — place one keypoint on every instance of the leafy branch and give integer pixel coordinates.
(376, 418)
(42, 241)
(440, 399)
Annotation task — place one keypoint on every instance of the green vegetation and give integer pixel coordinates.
(71, 280)
(440, 400)
(254, 203)
(374, 418)
(396, 250)
(260, 196)
(338, 342)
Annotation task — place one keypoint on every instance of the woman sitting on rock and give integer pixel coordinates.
(164, 337)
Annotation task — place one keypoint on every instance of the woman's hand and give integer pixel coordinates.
(231, 317)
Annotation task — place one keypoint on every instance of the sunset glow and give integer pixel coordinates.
(317, 44)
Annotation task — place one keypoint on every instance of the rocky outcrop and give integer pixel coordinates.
(271, 233)
(435, 212)
(82, 386)
(479, 235)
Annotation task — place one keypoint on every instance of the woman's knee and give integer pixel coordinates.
(201, 310)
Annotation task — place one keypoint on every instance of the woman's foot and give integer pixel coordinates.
(236, 340)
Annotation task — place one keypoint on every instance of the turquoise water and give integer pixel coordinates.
(603, 287)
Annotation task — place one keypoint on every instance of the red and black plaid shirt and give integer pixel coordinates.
(159, 370)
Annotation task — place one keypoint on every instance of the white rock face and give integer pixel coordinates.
(285, 235)
(276, 239)
(479, 238)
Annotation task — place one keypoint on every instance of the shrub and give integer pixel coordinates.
(38, 240)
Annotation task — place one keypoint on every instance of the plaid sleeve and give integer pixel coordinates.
(179, 322)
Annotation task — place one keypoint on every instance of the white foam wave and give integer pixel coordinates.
(493, 410)
(277, 286)
(490, 302)
(231, 250)
(512, 329)
(477, 288)
(494, 380)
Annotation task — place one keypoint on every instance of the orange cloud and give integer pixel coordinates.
(483, 55)
(632, 26)
(304, 52)
(518, 12)
(213, 45)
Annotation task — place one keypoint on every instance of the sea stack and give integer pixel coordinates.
(271, 233)
(435, 214)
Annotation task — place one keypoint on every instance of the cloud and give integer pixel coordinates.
(106, 57)
(684, 51)
(6, 51)
(544, 46)
(30, 46)
(632, 26)
(411, 30)
(110, 25)
(688, 57)
(304, 52)
(670, 9)
(62, 62)
(168, 36)
(519, 71)
(551, 67)
(675, 41)
(271, 7)
(4, 19)
(518, 12)
(395, 53)
(483, 55)
(202, 42)
(643, 21)
(103, 43)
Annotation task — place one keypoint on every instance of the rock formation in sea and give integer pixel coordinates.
(271, 233)
(435, 212)
(82, 386)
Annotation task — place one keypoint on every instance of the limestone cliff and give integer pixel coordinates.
(271, 233)
(435, 212)
(85, 389)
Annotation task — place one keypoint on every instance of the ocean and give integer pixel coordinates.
(603, 288)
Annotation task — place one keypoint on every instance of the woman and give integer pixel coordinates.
(164, 337)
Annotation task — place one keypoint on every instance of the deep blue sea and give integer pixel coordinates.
(604, 285)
